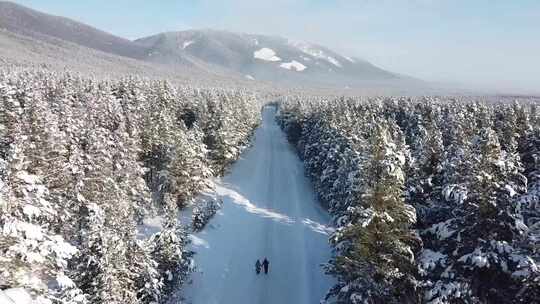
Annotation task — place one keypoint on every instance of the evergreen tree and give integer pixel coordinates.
(378, 267)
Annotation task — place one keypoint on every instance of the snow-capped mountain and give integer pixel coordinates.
(230, 56)
(262, 57)
(30, 37)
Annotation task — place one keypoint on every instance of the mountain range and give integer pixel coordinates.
(35, 37)
(261, 57)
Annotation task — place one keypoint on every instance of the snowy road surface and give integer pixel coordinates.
(269, 211)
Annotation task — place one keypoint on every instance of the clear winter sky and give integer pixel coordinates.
(488, 43)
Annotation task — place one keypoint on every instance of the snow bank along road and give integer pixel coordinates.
(269, 211)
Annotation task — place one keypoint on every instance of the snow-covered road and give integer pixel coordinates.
(269, 211)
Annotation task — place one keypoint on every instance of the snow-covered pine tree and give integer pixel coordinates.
(71, 181)
(110, 186)
(480, 259)
(35, 255)
(442, 177)
(378, 266)
(188, 168)
(529, 206)
(424, 178)
(168, 249)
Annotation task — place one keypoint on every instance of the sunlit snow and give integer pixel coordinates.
(31, 211)
(429, 259)
(315, 52)
(333, 61)
(15, 296)
(293, 65)
(187, 43)
(150, 226)
(266, 54)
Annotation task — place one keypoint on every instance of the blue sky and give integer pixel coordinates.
(484, 43)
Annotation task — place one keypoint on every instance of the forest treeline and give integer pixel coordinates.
(83, 161)
(435, 200)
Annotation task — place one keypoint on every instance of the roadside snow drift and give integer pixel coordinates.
(15, 296)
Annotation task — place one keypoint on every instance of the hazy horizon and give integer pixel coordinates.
(481, 45)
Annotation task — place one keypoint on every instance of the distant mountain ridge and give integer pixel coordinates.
(263, 57)
(25, 21)
(241, 56)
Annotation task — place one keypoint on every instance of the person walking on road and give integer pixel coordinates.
(258, 266)
(265, 265)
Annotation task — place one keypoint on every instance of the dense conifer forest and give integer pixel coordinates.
(83, 161)
(435, 200)
(269, 152)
